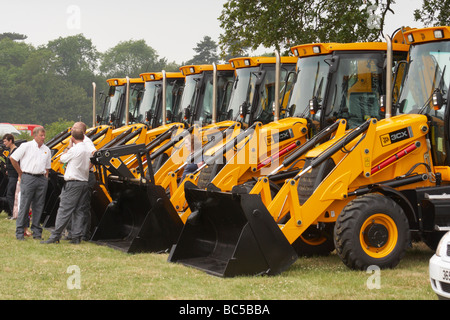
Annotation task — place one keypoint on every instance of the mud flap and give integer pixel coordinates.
(231, 234)
(139, 219)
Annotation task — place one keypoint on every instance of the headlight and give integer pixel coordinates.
(441, 244)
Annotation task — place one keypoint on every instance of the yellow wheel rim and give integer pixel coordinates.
(378, 235)
(313, 241)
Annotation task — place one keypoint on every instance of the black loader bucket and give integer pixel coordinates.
(231, 234)
(139, 219)
(54, 188)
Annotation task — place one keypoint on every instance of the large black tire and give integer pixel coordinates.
(371, 230)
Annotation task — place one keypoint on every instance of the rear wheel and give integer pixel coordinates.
(371, 230)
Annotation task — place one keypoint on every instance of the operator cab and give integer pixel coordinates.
(425, 87)
(340, 81)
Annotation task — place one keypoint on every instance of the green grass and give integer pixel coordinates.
(30, 270)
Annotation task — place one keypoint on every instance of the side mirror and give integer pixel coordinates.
(243, 110)
(313, 105)
(98, 119)
(112, 118)
(438, 100)
(111, 91)
(169, 115)
(291, 110)
(187, 113)
(148, 115)
(383, 104)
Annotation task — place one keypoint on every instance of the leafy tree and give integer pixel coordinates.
(206, 52)
(77, 59)
(433, 13)
(32, 89)
(74, 53)
(130, 58)
(13, 36)
(282, 24)
(56, 127)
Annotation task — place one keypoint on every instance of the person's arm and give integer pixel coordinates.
(17, 167)
(67, 154)
(15, 158)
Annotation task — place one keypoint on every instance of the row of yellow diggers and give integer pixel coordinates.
(338, 175)
(367, 192)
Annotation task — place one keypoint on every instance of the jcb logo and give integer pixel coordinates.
(396, 136)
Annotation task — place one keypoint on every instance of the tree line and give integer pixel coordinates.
(54, 82)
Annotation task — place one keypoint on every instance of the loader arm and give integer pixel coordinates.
(363, 160)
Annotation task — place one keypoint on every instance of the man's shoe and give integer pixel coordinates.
(50, 241)
(75, 241)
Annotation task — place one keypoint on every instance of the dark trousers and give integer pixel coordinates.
(11, 192)
(73, 199)
(32, 194)
(86, 208)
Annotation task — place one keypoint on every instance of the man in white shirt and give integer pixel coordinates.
(35, 162)
(74, 193)
(91, 183)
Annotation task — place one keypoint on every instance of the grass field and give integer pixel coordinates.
(30, 270)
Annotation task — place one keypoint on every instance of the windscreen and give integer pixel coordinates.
(147, 108)
(113, 104)
(265, 94)
(427, 72)
(136, 91)
(242, 91)
(174, 91)
(205, 103)
(355, 88)
(189, 93)
(311, 82)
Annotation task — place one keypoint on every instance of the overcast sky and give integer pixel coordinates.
(171, 27)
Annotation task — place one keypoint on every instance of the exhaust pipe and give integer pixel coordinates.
(164, 111)
(94, 86)
(127, 101)
(389, 77)
(214, 97)
(276, 103)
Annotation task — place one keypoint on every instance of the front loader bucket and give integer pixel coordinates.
(139, 219)
(230, 234)
(54, 188)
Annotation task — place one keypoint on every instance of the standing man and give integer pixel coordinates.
(75, 191)
(35, 162)
(91, 184)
